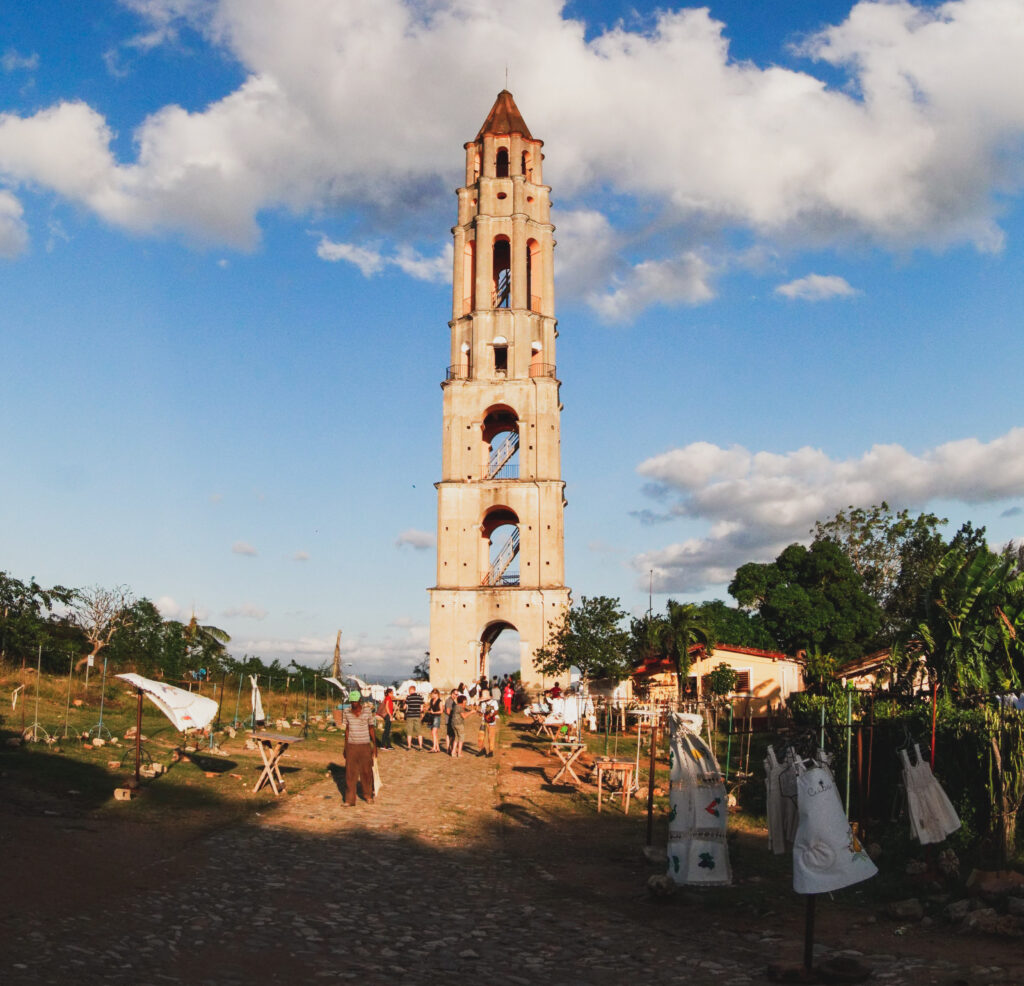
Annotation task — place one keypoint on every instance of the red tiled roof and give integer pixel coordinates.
(505, 118)
(656, 665)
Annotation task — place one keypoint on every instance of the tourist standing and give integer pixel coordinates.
(432, 717)
(506, 697)
(413, 718)
(488, 734)
(386, 712)
(360, 749)
(446, 719)
(457, 724)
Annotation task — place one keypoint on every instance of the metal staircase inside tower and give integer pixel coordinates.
(496, 574)
(500, 456)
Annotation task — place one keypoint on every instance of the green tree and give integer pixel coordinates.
(679, 632)
(721, 680)
(590, 637)
(811, 597)
(732, 625)
(26, 615)
(972, 622)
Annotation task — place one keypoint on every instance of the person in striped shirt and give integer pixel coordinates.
(413, 718)
(360, 749)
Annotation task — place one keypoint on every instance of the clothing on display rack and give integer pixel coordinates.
(698, 813)
(826, 854)
(932, 815)
(780, 788)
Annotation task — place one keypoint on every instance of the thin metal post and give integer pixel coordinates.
(254, 687)
(67, 710)
(238, 699)
(39, 671)
(821, 741)
(728, 745)
(809, 934)
(103, 694)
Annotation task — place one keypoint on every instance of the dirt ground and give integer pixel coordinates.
(474, 867)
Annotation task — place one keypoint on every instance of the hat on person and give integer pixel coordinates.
(354, 696)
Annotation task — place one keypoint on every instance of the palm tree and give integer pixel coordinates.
(681, 630)
(972, 621)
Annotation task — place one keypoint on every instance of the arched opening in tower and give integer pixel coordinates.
(469, 277)
(501, 273)
(500, 435)
(499, 650)
(500, 531)
(501, 163)
(532, 267)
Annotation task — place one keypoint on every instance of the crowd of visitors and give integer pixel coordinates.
(423, 714)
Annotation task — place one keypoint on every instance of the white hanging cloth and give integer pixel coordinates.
(187, 710)
(780, 788)
(697, 850)
(256, 705)
(826, 854)
(932, 815)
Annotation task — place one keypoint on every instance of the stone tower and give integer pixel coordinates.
(500, 550)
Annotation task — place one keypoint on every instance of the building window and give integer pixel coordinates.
(501, 266)
(501, 163)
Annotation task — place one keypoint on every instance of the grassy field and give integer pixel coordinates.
(72, 775)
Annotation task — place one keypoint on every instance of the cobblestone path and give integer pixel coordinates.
(419, 886)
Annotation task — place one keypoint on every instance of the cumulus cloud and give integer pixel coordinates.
(918, 145)
(369, 261)
(248, 611)
(817, 287)
(420, 540)
(243, 548)
(755, 503)
(13, 231)
(13, 61)
(392, 655)
(170, 609)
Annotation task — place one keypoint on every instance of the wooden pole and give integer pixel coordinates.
(138, 736)
(220, 701)
(655, 722)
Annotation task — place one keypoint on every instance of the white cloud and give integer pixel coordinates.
(170, 609)
(243, 548)
(248, 611)
(682, 279)
(755, 503)
(919, 148)
(13, 231)
(436, 269)
(817, 287)
(420, 540)
(13, 61)
(388, 655)
(300, 556)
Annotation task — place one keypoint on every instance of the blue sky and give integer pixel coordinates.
(788, 279)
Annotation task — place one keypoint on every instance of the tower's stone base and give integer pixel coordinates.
(463, 622)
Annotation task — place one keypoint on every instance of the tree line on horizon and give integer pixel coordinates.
(64, 627)
(871, 580)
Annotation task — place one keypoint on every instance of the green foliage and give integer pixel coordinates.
(721, 680)
(819, 671)
(589, 637)
(421, 672)
(732, 625)
(27, 621)
(971, 622)
(811, 597)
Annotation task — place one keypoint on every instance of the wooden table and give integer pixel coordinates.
(568, 753)
(614, 765)
(272, 747)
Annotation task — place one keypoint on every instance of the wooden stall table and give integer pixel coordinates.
(568, 753)
(272, 747)
(615, 765)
